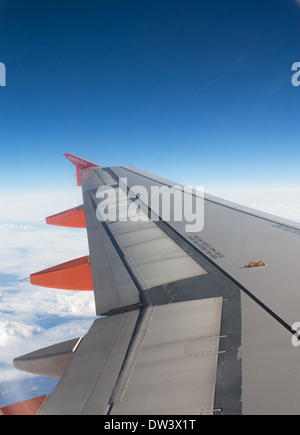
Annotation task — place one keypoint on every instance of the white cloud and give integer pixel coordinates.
(36, 207)
(11, 328)
(34, 317)
(25, 249)
(3, 334)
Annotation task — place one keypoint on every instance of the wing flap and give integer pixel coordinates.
(175, 364)
(88, 382)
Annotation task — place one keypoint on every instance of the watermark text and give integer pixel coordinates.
(2, 74)
(296, 75)
(168, 203)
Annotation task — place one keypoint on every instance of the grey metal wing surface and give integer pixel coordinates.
(190, 322)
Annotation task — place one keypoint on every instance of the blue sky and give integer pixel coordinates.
(196, 91)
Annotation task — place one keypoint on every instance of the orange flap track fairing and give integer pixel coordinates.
(73, 218)
(72, 275)
(27, 407)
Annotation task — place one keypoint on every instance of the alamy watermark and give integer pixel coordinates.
(296, 75)
(2, 74)
(168, 203)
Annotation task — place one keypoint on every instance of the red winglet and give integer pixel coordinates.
(72, 275)
(73, 218)
(80, 165)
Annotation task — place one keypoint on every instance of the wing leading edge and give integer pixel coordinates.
(187, 328)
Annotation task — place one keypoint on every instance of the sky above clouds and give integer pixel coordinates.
(198, 92)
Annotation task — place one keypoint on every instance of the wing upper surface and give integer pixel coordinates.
(189, 329)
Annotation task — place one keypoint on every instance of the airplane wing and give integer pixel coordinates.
(193, 317)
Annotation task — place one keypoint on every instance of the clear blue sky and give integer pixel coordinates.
(195, 90)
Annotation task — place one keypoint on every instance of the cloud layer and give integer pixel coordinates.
(33, 317)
